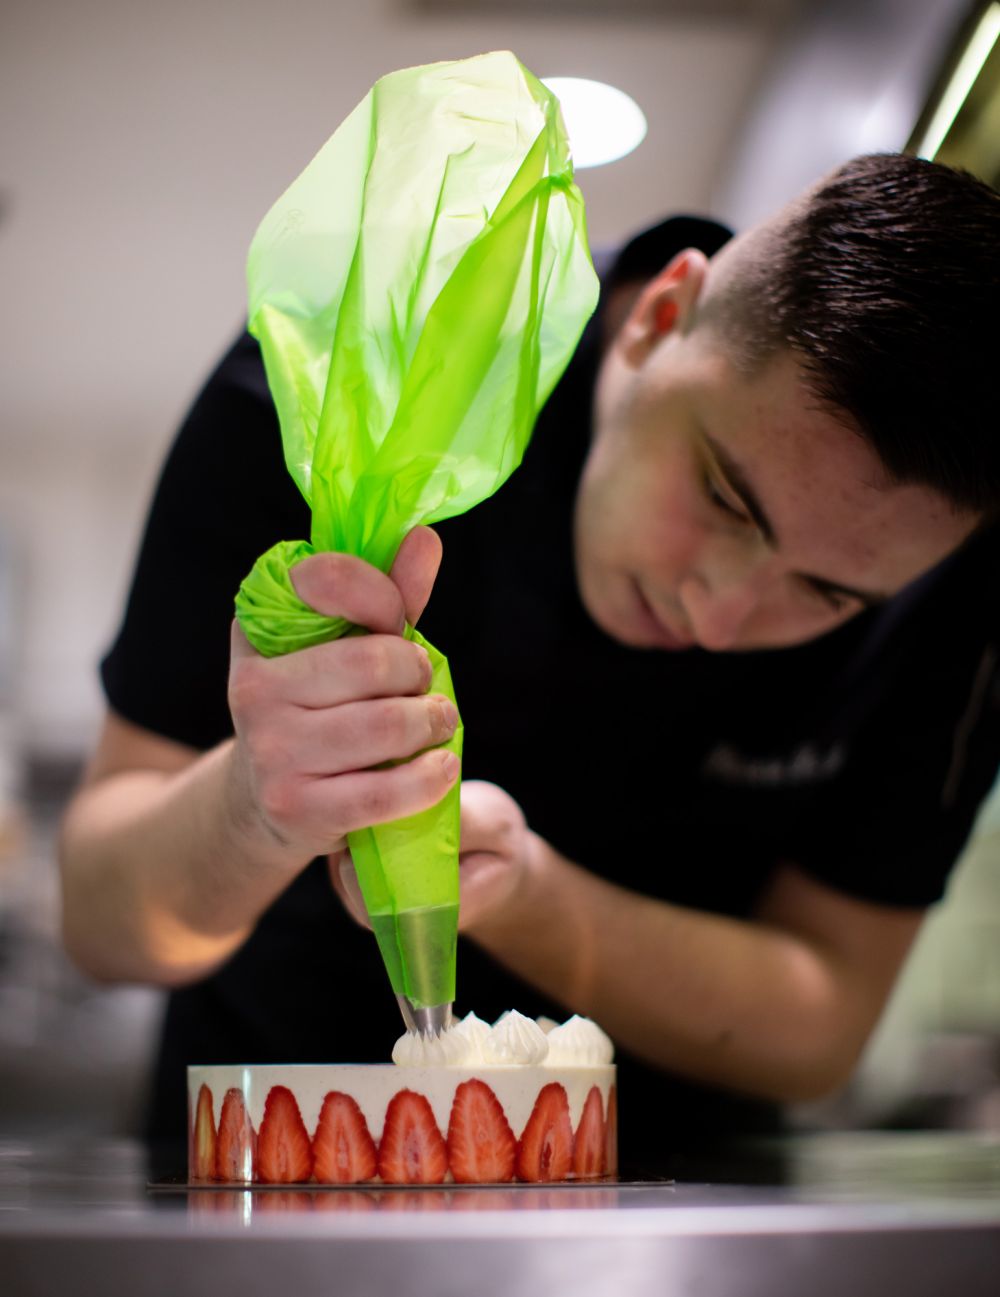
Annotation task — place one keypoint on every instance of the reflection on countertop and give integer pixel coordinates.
(923, 1170)
(824, 1215)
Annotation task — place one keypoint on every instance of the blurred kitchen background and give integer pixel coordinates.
(140, 144)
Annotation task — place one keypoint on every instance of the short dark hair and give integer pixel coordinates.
(885, 280)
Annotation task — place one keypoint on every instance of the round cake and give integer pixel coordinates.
(479, 1105)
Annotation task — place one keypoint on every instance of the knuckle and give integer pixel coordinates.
(374, 660)
(438, 714)
(389, 722)
(425, 671)
(269, 751)
(373, 804)
(436, 778)
(362, 663)
(278, 801)
(246, 686)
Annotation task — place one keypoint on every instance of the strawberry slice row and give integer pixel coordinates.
(480, 1146)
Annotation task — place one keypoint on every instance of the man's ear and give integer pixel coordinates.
(666, 305)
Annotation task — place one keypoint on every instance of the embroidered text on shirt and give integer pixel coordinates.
(806, 765)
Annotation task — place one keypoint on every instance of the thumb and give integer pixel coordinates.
(415, 568)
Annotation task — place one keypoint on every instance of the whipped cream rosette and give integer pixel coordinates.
(513, 1040)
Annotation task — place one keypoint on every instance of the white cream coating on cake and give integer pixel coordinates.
(579, 1041)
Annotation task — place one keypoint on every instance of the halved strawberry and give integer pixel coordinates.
(412, 1149)
(545, 1150)
(611, 1133)
(343, 1149)
(481, 1144)
(202, 1160)
(236, 1144)
(284, 1153)
(589, 1152)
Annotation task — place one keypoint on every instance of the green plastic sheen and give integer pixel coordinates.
(417, 293)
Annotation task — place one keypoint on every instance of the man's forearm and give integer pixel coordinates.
(161, 881)
(719, 1000)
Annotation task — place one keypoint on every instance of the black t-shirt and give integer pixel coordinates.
(860, 757)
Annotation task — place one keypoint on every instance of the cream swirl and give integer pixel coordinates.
(515, 1039)
(474, 1032)
(579, 1042)
(512, 1041)
(418, 1049)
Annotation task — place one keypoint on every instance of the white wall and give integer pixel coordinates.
(140, 144)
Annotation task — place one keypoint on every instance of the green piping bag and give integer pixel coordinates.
(417, 292)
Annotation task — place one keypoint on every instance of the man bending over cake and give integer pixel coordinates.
(726, 648)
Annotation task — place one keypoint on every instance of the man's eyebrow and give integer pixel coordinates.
(741, 486)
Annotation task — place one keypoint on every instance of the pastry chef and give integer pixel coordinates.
(726, 648)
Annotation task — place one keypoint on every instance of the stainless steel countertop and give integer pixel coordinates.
(822, 1215)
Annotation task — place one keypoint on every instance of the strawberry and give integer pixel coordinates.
(611, 1133)
(237, 1141)
(412, 1149)
(343, 1149)
(481, 1144)
(202, 1155)
(545, 1150)
(284, 1153)
(589, 1152)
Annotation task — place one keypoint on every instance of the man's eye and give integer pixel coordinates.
(832, 598)
(720, 501)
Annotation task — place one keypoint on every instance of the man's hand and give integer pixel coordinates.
(497, 852)
(497, 849)
(313, 727)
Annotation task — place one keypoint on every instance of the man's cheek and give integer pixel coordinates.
(671, 533)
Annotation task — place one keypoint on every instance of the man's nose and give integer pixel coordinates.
(718, 611)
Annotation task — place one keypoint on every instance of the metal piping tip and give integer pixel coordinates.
(431, 1020)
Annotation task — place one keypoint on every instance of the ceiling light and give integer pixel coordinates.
(603, 123)
(972, 62)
